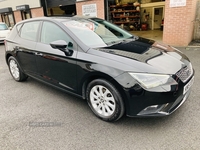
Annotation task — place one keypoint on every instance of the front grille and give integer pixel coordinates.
(185, 73)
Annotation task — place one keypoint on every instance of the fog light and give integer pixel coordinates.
(151, 109)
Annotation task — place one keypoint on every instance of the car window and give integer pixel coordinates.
(120, 33)
(51, 32)
(3, 27)
(29, 30)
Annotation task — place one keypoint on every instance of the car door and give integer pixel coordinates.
(54, 66)
(24, 46)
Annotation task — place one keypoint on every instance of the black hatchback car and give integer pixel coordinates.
(118, 73)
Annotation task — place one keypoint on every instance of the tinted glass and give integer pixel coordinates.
(51, 32)
(29, 30)
(3, 27)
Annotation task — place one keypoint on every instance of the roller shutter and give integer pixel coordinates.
(55, 3)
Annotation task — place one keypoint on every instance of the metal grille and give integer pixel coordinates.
(185, 73)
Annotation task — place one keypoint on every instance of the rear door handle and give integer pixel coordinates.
(38, 54)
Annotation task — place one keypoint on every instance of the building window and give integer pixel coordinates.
(26, 14)
(25, 11)
(7, 16)
(8, 19)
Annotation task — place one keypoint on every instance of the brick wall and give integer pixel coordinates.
(17, 15)
(100, 7)
(37, 12)
(178, 23)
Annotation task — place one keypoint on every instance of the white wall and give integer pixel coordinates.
(14, 3)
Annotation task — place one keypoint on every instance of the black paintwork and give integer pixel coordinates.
(73, 72)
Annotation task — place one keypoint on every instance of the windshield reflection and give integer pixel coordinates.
(96, 32)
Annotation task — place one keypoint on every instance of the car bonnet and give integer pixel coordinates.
(146, 56)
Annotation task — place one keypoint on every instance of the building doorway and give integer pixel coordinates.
(8, 19)
(67, 10)
(25, 11)
(107, 4)
(26, 14)
(157, 17)
(7, 16)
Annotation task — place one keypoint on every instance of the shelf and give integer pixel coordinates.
(126, 17)
(118, 6)
(124, 11)
(124, 22)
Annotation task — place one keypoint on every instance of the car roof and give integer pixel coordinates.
(43, 18)
(58, 19)
(2, 23)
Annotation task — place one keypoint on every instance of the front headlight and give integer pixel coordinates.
(148, 81)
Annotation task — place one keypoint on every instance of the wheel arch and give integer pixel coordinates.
(21, 76)
(7, 57)
(106, 77)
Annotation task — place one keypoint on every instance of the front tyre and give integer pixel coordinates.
(104, 100)
(15, 70)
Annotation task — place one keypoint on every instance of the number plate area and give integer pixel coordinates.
(188, 85)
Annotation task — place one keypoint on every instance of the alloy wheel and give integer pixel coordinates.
(14, 69)
(102, 101)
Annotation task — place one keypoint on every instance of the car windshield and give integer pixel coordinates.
(3, 27)
(97, 32)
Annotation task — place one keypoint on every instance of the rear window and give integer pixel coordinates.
(3, 27)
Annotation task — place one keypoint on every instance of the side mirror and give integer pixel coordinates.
(10, 28)
(63, 46)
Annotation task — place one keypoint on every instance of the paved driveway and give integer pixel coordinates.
(35, 116)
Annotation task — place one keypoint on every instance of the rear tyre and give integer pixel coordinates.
(15, 70)
(104, 100)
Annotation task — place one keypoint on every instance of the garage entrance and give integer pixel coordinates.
(61, 8)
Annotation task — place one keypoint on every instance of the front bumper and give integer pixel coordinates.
(2, 39)
(163, 109)
(151, 104)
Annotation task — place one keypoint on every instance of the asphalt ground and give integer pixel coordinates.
(34, 116)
